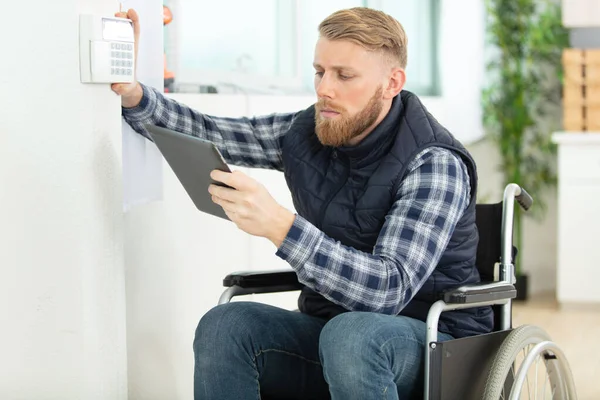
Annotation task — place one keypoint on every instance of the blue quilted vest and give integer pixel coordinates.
(347, 192)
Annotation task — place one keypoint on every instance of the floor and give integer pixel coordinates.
(575, 329)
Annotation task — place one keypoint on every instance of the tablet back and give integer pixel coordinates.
(191, 159)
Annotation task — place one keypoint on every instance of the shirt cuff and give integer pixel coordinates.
(301, 243)
(144, 110)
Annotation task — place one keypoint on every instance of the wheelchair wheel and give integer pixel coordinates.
(529, 365)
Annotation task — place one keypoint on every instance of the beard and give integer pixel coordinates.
(338, 131)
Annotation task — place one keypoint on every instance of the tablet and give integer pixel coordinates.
(191, 159)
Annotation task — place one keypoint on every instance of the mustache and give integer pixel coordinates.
(323, 105)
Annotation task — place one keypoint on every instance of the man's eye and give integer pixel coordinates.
(345, 77)
(320, 74)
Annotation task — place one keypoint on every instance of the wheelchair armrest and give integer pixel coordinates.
(270, 281)
(480, 292)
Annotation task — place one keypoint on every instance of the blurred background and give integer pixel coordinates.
(106, 265)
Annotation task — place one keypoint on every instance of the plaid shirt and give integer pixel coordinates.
(430, 201)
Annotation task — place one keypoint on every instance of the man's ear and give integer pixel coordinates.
(396, 82)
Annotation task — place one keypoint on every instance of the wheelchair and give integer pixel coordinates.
(489, 366)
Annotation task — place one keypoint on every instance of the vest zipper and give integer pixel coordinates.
(335, 192)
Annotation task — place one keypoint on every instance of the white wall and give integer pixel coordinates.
(62, 300)
(581, 13)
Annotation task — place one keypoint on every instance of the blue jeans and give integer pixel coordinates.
(248, 350)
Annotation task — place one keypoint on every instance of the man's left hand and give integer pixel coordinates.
(250, 206)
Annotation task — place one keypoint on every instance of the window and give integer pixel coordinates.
(267, 46)
(420, 21)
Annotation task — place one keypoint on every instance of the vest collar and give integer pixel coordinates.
(376, 144)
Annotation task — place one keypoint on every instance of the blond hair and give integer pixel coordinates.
(369, 28)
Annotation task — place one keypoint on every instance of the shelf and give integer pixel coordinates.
(580, 13)
(576, 137)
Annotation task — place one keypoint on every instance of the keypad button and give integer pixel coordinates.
(129, 71)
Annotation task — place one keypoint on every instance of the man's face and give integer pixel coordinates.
(349, 81)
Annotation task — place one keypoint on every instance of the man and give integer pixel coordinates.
(385, 200)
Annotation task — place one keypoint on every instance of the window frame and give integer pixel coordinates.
(238, 82)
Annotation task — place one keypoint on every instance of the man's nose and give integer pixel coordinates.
(325, 87)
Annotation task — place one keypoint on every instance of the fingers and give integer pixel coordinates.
(122, 89)
(228, 206)
(133, 16)
(232, 200)
(129, 14)
(119, 88)
(223, 177)
(224, 193)
(235, 179)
